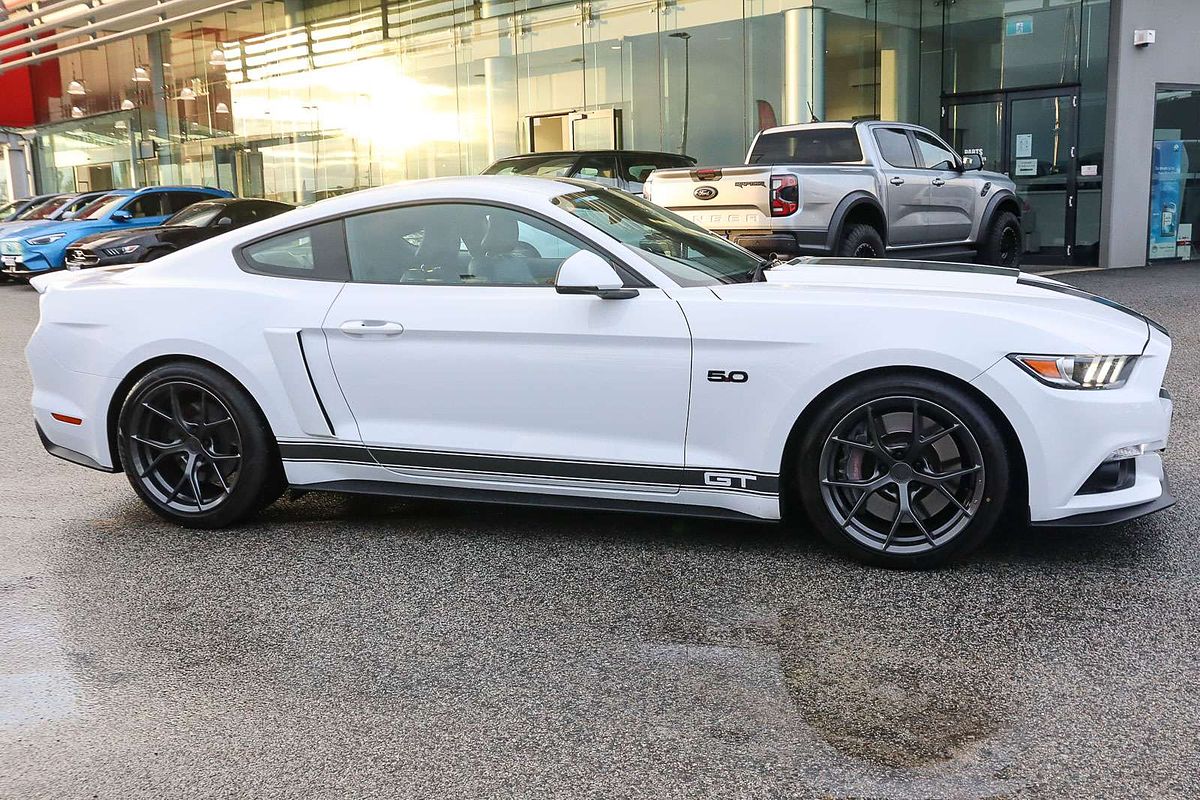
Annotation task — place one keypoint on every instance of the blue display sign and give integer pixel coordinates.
(1018, 26)
(1166, 197)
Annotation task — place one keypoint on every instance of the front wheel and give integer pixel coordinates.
(196, 448)
(906, 472)
(1000, 244)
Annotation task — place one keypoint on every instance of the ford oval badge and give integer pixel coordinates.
(705, 193)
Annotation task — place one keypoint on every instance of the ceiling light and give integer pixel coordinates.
(221, 109)
(128, 105)
(121, 125)
(187, 94)
(140, 75)
(217, 57)
(76, 112)
(76, 88)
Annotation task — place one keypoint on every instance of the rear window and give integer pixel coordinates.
(554, 166)
(820, 146)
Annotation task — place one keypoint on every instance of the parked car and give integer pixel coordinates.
(623, 169)
(43, 247)
(15, 208)
(862, 189)
(193, 224)
(402, 341)
(62, 206)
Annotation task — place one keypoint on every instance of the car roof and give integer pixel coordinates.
(593, 152)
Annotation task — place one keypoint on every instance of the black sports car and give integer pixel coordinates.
(193, 224)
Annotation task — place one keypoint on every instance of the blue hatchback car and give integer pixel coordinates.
(43, 247)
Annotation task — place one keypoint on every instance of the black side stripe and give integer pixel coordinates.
(725, 480)
(1095, 298)
(312, 383)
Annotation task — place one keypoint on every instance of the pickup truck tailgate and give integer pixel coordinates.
(717, 198)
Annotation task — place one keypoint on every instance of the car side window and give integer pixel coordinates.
(636, 167)
(316, 252)
(895, 147)
(601, 169)
(934, 154)
(146, 205)
(241, 213)
(456, 244)
(178, 201)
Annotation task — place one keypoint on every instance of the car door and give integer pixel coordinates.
(146, 209)
(905, 186)
(951, 198)
(460, 361)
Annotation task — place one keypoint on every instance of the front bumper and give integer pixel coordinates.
(78, 258)
(1066, 435)
(24, 266)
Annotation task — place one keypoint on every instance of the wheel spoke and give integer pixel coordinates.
(876, 436)
(946, 476)
(872, 484)
(914, 440)
(177, 409)
(154, 462)
(953, 499)
(858, 505)
(220, 477)
(894, 528)
(852, 443)
(154, 410)
(175, 491)
(193, 475)
(171, 446)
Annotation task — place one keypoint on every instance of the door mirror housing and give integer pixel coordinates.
(224, 222)
(971, 161)
(588, 273)
(121, 215)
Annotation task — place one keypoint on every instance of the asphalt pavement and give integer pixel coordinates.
(344, 647)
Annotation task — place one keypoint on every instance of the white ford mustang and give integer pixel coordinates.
(528, 340)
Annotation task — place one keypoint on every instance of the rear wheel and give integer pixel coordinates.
(1001, 243)
(196, 448)
(903, 472)
(861, 241)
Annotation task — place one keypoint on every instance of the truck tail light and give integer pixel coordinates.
(785, 195)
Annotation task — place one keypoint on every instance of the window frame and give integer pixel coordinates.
(906, 133)
(328, 234)
(955, 164)
(630, 277)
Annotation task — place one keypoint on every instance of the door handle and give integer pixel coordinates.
(371, 327)
(938, 182)
(897, 181)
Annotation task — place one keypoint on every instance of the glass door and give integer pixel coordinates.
(1041, 160)
(1032, 138)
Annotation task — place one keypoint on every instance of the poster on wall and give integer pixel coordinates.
(1166, 197)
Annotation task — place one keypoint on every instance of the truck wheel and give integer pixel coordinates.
(1000, 245)
(861, 241)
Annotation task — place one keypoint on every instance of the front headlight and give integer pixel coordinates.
(120, 251)
(49, 238)
(1078, 372)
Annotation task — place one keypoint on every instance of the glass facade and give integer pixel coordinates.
(303, 99)
(1175, 174)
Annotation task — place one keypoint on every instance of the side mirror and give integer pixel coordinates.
(971, 161)
(588, 273)
(121, 215)
(224, 222)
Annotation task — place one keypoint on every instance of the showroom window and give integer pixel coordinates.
(1175, 174)
(455, 244)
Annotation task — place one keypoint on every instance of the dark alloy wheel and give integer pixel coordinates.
(1001, 244)
(195, 447)
(861, 241)
(911, 474)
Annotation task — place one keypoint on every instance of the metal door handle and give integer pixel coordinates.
(371, 327)
(938, 182)
(897, 181)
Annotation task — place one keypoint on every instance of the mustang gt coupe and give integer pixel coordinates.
(556, 342)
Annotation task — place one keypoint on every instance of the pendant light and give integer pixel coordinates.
(76, 88)
(188, 94)
(128, 105)
(221, 108)
(141, 75)
(216, 58)
(76, 112)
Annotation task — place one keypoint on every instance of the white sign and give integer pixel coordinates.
(1024, 145)
(1089, 170)
(1026, 167)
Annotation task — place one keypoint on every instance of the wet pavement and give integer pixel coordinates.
(352, 647)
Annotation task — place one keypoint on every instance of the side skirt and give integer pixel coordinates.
(492, 496)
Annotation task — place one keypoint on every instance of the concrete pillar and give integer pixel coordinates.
(803, 65)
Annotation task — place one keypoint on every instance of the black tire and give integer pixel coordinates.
(861, 241)
(870, 525)
(231, 467)
(1002, 243)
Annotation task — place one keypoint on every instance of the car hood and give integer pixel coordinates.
(997, 292)
(23, 228)
(109, 238)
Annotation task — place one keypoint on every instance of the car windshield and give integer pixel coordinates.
(29, 211)
(46, 209)
(101, 206)
(197, 215)
(557, 166)
(689, 254)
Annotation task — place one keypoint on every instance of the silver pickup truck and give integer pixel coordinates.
(860, 189)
